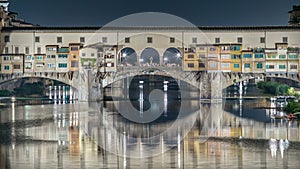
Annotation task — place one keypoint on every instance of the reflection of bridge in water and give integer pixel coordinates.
(67, 134)
(212, 121)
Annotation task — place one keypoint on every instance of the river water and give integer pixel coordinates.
(188, 134)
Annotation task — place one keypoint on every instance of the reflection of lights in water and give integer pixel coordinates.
(165, 104)
(141, 108)
(178, 146)
(166, 85)
(13, 133)
(241, 107)
(13, 111)
(141, 90)
(124, 150)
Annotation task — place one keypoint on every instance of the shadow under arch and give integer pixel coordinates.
(4, 81)
(149, 56)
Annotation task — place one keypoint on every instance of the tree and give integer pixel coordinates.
(291, 91)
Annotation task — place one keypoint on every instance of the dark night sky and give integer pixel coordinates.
(199, 12)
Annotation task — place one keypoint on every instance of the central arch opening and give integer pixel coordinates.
(149, 57)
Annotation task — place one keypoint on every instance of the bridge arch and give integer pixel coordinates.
(63, 78)
(150, 56)
(172, 57)
(128, 56)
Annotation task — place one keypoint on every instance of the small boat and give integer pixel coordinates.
(291, 117)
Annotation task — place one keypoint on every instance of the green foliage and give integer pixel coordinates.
(5, 93)
(273, 88)
(291, 91)
(292, 107)
(30, 89)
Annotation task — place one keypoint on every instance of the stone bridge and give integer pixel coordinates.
(89, 83)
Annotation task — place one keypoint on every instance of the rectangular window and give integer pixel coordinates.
(258, 55)
(6, 58)
(225, 65)
(26, 50)
(285, 39)
(6, 50)
(59, 39)
(273, 56)
(92, 54)
(191, 65)
(149, 39)
(40, 65)
(17, 58)
(239, 40)
(212, 49)
(109, 64)
(235, 48)
(262, 40)
(282, 56)
(281, 66)
(293, 66)
(225, 56)
(62, 65)
(51, 65)
(201, 48)
(247, 65)
(51, 56)
(28, 57)
(236, 65)
(194, 40)
(270, 66)
(37, 39)
(201, 55)
(61, 56)
(217, 40)
(212, 55)
(201, 65)
(82, 39)
(212, 65)
(6, 67)
(248, 55)
(191, 56)
(17, 66)
(172, 40)
(6, 38)
(224, 48)
(259, 65)
(235, 56)
(16, 50)
(127, 39)
(74, 48)
(104, 39)
(83, 54)
(39, 50)
(294, 56)
(40, 57)
(51, 49)
(28, 65)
